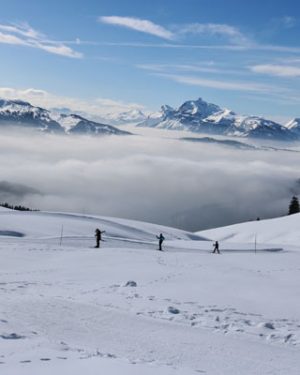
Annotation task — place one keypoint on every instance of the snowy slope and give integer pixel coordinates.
(67, 308)
(283, 230)
(47, 224)
(4, 209)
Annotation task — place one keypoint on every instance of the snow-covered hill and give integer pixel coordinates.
(23, 114)
(126, 308)
(202, 117)
(37, 224)
(4, 209)
(283, 230)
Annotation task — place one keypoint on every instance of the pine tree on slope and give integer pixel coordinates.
(294, 206)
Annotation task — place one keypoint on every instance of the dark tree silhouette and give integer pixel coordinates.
(17, 208)
(294, 206)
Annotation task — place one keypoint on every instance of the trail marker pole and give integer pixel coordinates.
(61, 235)
(255, 241)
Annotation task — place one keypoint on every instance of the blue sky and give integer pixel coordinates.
(102, 56)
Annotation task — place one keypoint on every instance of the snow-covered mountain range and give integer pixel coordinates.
(202, 117)
(129, 117)
(196, 116)
(134, 116)
(23, 114)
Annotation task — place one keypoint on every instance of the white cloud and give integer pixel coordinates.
(218, 84)
(232, 33)
(204, 67)
(96, 108)
(288, 21)
(11, 39)
(22, 29)
(278, 23)
(59, 49)
(277, 70)
(209, 67)
(195, 182)
(24, 35)
(144, 26)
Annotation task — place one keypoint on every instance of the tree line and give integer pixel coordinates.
(16, 207)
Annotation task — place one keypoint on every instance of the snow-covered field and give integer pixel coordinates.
(126, 308)
(283, 230)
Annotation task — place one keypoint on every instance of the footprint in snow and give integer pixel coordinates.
(173, 310)
(131, 283)
(12, 336)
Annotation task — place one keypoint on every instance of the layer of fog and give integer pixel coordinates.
(152, 177)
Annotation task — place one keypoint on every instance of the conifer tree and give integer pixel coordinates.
(294, 206)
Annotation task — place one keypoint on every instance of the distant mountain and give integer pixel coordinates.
(133, 116)
(19, 113)
(75, 124)
(23, 114)
(202, 117)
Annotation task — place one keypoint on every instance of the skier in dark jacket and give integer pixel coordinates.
(160, 241)
(98, 235)
(216, 248)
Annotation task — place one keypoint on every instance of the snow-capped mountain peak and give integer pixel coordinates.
(293, 124)
(202, 117)
(198, 107)
(18, 112)
(167, 110)
(23, 114)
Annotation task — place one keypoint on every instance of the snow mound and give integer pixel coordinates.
(282, 230)
(38, 224)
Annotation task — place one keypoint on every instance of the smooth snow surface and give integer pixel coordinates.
(2, 209)
(283, 231)
(126, 308)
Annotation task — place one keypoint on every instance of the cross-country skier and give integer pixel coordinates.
(160, 241)
(98, 235)
(216, 248)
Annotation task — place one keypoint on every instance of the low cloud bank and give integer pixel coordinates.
(161, 180)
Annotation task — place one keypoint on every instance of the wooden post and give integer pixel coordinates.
(61, 235)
